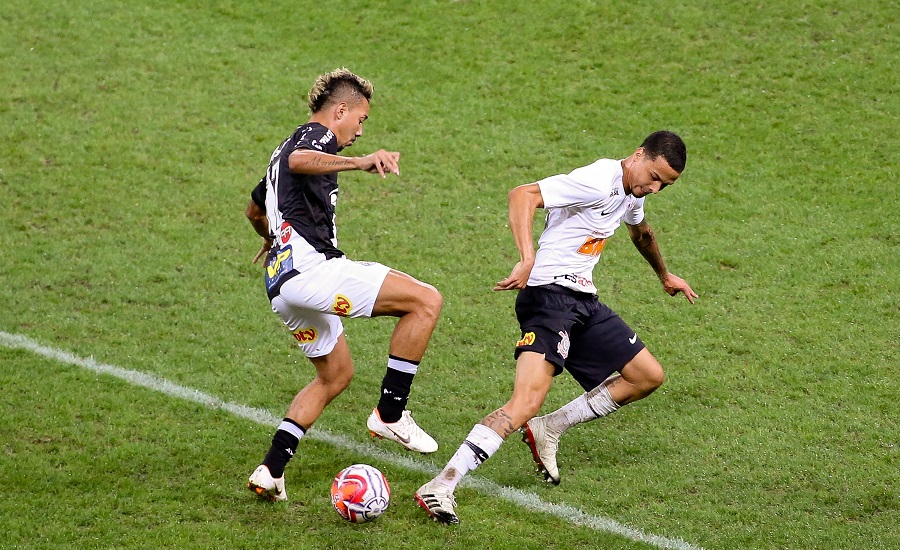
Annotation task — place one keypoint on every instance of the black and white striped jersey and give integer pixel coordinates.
(300, 208)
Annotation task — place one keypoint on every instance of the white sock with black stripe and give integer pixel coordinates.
(479, 445)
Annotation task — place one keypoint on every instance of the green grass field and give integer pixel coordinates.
(133, 134)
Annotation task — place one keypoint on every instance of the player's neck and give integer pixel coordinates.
(319, 118)
(626, 175)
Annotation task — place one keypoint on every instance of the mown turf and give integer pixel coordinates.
(133, 135)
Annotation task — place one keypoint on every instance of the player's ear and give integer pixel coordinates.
(340, 110)
(639, 152)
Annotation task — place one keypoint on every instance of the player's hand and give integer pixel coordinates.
(264, 249)
(674, 284)
(518, 278)
(381, 162)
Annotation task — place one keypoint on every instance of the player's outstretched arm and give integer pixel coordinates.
(317, 163)
(645, 241)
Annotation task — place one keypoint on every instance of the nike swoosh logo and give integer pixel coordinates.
(602, 213)
(633, 339)
(404, 440)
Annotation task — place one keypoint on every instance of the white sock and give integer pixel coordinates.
(480, 444)
(587, 406)
(292, 428)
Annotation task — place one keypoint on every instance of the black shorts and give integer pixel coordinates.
(575, 332)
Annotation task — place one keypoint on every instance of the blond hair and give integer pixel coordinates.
(338, 85)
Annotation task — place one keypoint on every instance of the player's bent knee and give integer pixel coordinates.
(335, 377)
(335, 385)
(655, 378)
(432, 302)
(649, 378)
(644, 373)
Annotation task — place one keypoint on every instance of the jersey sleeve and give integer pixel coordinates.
(580, 187)
(635, 213)
(259, 194)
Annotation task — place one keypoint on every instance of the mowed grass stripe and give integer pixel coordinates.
(524, 499)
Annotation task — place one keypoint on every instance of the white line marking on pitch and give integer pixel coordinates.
(522, 498)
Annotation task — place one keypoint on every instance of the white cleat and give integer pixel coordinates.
(263, 484)
(438, 501)
(543, 444)
(404, 431)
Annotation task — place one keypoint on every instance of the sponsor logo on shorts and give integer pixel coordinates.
(527, 339)
(305, 335)
(285, 232)
(563, 347)
(342, 305)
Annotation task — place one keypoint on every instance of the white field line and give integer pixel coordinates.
(524, 499)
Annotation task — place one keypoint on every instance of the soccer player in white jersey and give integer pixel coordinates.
(311, 284)
(563, 324)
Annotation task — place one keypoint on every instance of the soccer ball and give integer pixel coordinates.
(360, 493)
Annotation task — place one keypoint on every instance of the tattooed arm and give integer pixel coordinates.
(316, 163)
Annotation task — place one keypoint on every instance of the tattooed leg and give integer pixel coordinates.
(501, 423)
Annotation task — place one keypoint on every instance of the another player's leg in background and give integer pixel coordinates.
(637, 379)
(418, 306)
(533, 378)
(333, 374)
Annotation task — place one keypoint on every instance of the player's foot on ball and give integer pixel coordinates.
(436, 499)
(263, 484)
(543, 444)
(404, 431)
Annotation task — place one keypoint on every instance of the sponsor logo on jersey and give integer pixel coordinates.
(563, 347)
(285, 232)
(305, 335)
(279, 262)
(615, 192)
(527, 339)
(577, 279)
(342, 305)
(592, 246)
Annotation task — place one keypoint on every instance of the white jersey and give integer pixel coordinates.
(584, 208)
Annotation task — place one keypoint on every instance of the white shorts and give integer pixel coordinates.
(312, 303)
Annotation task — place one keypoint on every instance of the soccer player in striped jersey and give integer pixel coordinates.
(311, 284)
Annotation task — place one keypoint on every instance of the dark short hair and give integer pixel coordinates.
(338, 85)
(669, 145)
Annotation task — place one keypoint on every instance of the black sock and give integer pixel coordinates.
(394, 395)
(282, 450)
